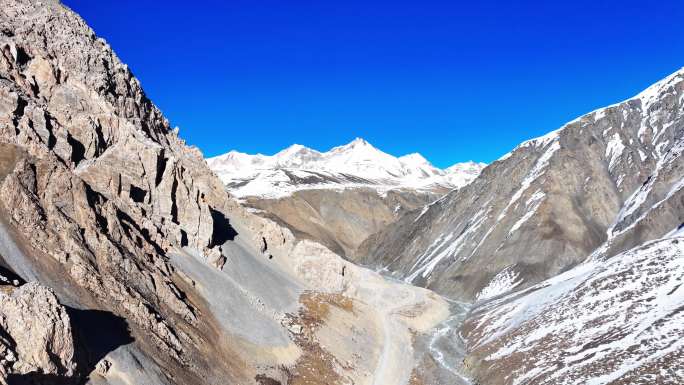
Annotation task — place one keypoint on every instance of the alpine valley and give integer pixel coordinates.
(339, 197)
(127, 258)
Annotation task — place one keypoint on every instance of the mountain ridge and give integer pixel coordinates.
(606, 145)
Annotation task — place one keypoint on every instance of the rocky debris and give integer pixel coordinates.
(217, 259)
(294, 328)
(547, 205)
(35, 334)
(103, 367)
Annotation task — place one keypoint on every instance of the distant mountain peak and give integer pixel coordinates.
(295, 148)
(359, 142)
(414, 158)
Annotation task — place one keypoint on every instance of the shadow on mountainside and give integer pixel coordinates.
(10, 275)
(223, 231)
(96, 334)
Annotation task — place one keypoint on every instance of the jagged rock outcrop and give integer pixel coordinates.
(550, 203)
(99, 181)
(35, 334)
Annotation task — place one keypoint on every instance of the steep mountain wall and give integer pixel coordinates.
(611, 320)
(549, 204)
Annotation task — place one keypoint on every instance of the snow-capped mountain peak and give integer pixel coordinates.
(356, 143)
(295, 156)
(357, 163)
(415, 159)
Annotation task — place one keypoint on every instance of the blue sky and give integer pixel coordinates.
(453, 81)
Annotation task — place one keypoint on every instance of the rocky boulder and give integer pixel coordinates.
(36, 335)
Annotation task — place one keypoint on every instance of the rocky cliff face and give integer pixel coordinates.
(96, 184)
(104, 204)
(611, 179)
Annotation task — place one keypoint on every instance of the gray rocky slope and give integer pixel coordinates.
(341, 219)
(610, 320)
(611, 179)
(165, 279)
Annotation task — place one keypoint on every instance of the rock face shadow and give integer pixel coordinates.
(39, 379)
(223, 231)
(8, 274)
(96, 334)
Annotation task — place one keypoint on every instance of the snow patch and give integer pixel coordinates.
(537, 171)
(532, 205)
(505, 281)
(629, 303)
(614, 150)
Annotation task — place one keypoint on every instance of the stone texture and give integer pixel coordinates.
(35, 333)
(102, 185)
(614, 320)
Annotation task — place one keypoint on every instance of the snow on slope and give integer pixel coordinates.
(619, 319)
(352, 165)
(638, 147)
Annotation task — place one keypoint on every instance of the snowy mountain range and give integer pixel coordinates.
(356, 164)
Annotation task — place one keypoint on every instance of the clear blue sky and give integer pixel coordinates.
(451, 81)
